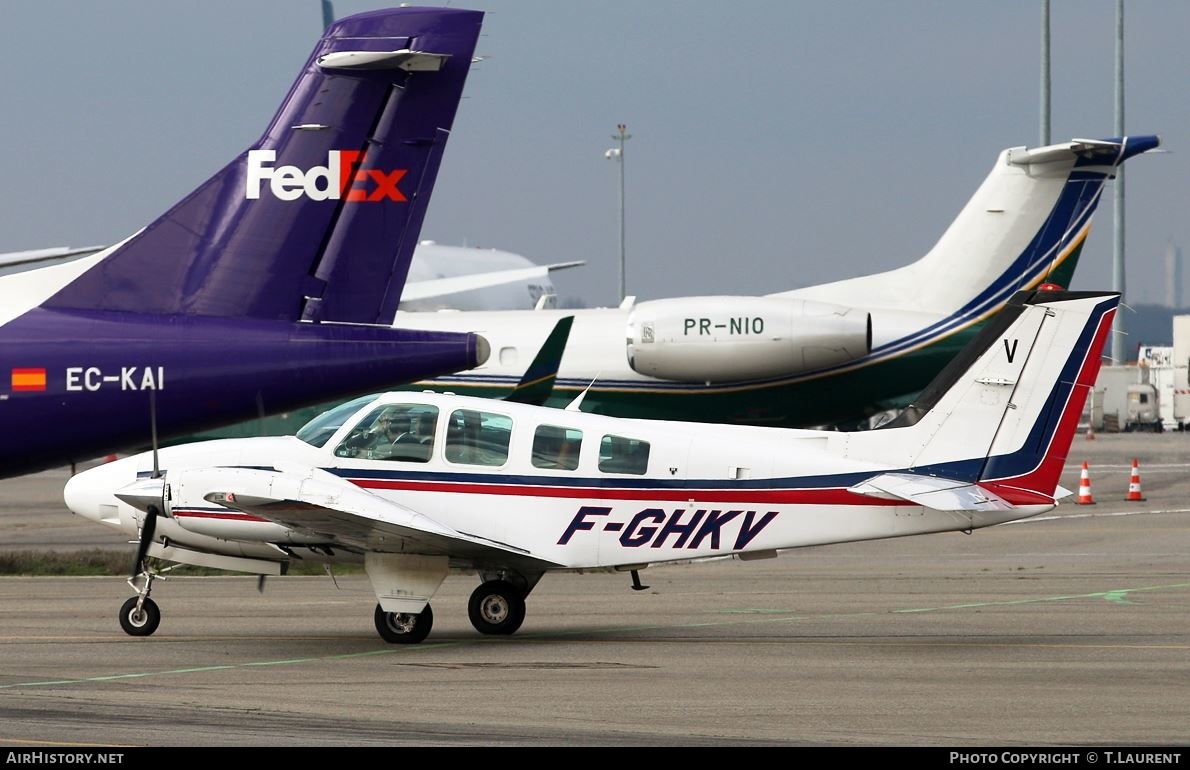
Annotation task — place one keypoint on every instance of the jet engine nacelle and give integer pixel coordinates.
(719, 339)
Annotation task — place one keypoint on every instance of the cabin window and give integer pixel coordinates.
(623, 455)
(556, 448)
(400, 432)
(478, 438)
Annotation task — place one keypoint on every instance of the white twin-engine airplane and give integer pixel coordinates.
(415, 484)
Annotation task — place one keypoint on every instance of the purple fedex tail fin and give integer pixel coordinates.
(210, 314)
(317, 221)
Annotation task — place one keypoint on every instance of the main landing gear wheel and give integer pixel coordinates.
(140, 622)
(404, 627)
(496, 607)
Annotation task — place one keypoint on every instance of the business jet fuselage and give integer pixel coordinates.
(835, 352)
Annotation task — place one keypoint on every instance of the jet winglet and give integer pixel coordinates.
(538, 381)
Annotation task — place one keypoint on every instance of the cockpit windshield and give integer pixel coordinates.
(319, 430)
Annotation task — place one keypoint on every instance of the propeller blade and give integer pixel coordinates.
(147, 530)
(153, 430)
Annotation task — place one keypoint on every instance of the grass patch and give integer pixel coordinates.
(107, 562)
(90, 562)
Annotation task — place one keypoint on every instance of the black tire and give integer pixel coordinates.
(496, 607)
(403, 627)
(141, 623)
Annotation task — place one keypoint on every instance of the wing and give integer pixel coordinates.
(444, 287)
(312, 501)
(41, 257)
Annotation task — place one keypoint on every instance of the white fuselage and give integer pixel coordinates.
(595, 351)
(702, 491)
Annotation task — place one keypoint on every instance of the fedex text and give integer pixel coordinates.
(681, 528)
(340, 178)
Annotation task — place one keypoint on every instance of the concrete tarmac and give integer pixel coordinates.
(1070, 629)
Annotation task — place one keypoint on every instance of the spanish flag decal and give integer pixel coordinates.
(28, 379)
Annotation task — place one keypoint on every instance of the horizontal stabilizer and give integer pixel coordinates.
(932, 492)
(1109, 151)
(405, 59)
(444, 287)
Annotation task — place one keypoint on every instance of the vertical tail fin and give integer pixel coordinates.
(1025, 225)
(317, 220)
(1005, 411)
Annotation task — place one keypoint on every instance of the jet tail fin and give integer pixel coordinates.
(1004, 412)
(1025, 225)
(318, 220)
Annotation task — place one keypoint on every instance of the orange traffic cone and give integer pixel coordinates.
(1084, 487)
(1134, 494)
(1090, 432)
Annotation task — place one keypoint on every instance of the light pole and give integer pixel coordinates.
(1119, 350)
(617, 154)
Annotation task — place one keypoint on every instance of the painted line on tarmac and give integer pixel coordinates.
(1060, 517)
(251, 664)
(40, 742)
(1117, 595)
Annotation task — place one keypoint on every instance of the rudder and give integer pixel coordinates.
(317, 220)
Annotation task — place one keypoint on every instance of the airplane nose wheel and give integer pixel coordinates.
(139, 620)
(404, 627)
(139, 616)
(496, 607)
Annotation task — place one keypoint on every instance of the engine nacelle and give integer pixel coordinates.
(720, 339)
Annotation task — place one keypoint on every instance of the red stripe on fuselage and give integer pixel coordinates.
(835, 496)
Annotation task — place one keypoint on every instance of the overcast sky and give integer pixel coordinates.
(775, 144)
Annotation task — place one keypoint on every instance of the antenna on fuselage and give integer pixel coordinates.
(153, 431)
(576, 404)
